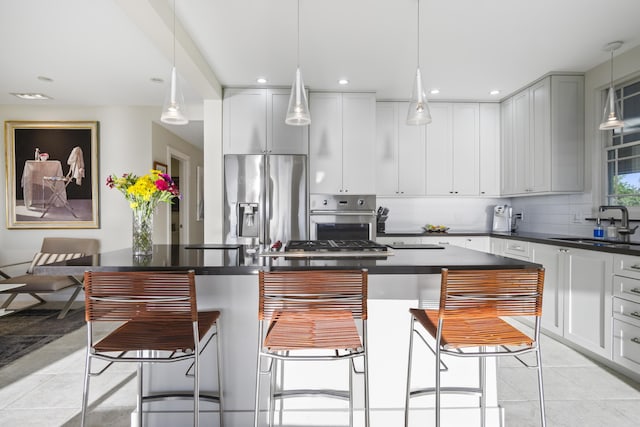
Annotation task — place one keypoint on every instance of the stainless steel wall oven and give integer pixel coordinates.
(342, 217)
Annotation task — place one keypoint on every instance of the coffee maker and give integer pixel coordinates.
(502, 218)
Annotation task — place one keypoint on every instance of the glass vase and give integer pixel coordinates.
(142, 236)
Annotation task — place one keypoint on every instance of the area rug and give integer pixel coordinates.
(28, 330)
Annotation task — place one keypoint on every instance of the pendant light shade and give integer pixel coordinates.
(418, 113)
(173, 108)
(298, 109)
(611, 117)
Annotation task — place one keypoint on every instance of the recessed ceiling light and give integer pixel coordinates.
(343, 82)
(157, 80)
(37, 96)
(434, 91)
(261, 80)
(494, 92)
(45, 79)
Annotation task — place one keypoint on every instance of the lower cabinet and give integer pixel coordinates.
(587, 299)
(477, 243)
(626, 312)
(577, 295)
(553, 296)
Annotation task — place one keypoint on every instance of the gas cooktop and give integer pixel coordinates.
(334, 246)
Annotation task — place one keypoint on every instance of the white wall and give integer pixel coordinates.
(163, 142)
(565, 213)
(461, 214)
(125, 145)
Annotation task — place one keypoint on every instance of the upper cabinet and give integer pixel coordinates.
(489, 149)
(453, 149)
(341, 142)
(543, 137)
(400, 152)
(253, 123)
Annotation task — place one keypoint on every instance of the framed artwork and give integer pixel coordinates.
(160, 167)
(52, 174)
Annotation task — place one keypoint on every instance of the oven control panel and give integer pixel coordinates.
(342, 202)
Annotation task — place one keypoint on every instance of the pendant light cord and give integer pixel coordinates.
(298, 40)
(612, 50)
(174, 33)
(418, 30)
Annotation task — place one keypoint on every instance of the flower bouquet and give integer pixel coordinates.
(143, 194)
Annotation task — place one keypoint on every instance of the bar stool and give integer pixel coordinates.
(317, 311)
(472, 303)
(157, 321)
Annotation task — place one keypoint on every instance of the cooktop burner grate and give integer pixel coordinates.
(334, 246)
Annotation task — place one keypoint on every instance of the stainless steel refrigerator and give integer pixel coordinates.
(265, 198)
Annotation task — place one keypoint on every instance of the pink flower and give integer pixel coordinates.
(162, 185)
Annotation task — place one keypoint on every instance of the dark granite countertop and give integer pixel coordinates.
(577, 242)
(224, 261)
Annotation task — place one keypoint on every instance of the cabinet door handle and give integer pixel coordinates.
(635, 290)
(635, 314)
(635, 340)
(635, 266)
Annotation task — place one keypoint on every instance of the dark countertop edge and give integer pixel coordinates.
(542, 238)
(246, 271)
(548, 239)
(427, 234)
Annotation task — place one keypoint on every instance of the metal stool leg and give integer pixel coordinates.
(543, 421)
(367, 420)
(85, 393)
(408, 390)
(483, 388)
(219, 354)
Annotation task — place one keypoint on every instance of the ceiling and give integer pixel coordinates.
(105, 52)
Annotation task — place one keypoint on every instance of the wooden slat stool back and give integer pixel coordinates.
(472, 304)
(312, 310)
(157, 321)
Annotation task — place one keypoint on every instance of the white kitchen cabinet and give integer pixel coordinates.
(626, 312)
(453, 150)
(253, 123)
(517, 249)
(587, 300)
(489, 140)
(477, 243)
(341, 143)
(551, 257)
(399, 240)
(543, 137)
(400, 152)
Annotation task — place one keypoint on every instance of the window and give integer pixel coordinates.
(623, 150)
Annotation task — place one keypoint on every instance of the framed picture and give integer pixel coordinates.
(52, 174)
(160, 167)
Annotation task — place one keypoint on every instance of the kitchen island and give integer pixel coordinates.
(227, 280)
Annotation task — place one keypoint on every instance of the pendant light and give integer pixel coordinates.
(419, 113)
(611, 118)
(298, 110)
(173, 109)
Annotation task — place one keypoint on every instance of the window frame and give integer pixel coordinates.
(609, 143)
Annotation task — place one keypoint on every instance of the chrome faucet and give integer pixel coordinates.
(624, 230)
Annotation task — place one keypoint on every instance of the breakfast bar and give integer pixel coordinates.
(399, 278)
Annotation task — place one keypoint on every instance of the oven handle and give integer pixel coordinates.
(343, 213)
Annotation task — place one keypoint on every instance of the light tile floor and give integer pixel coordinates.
(45, 389)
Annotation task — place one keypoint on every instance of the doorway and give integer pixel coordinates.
(179, 212)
